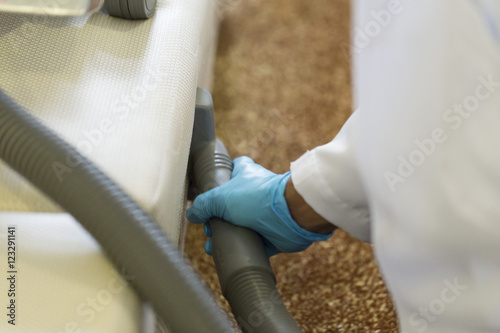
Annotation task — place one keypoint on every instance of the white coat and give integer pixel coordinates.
(416, 169)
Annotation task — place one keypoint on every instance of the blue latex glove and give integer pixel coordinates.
(254, 198)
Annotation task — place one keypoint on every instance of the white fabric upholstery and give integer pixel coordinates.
(123, 93)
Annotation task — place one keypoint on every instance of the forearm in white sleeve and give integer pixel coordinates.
(327, 178)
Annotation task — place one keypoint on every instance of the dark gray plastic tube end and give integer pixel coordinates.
(131, 9)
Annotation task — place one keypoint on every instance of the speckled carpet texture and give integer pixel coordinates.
(282, 86)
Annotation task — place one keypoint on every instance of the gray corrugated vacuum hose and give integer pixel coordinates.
(246, 277)
(131, 239)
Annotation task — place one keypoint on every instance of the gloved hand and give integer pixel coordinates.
(254, 198)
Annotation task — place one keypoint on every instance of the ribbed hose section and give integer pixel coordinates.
(131, 239)
(218, 163)
(245, 274)
(257, 305)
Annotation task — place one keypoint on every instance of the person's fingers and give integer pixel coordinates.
(208, 247)
(240, 164)
(207, 229)
(196, 213)
(203, 208)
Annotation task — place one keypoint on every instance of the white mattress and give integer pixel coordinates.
(123, 93)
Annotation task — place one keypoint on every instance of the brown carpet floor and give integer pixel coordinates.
(282, 86)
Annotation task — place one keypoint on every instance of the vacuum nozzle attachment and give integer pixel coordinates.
(245, 274)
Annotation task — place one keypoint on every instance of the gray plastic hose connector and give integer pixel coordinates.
(130, 237)
(131, 9)
(245, 274)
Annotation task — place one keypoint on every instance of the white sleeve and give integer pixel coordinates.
(327, 178)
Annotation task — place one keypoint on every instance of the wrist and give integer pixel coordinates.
(303, 214)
